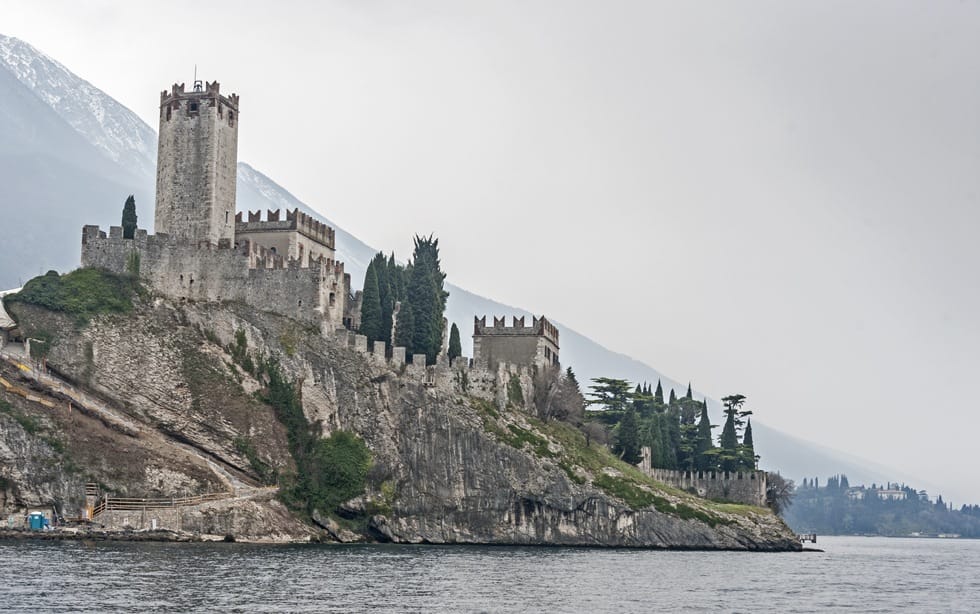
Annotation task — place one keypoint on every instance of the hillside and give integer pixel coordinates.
(208, 399)
(70, 154)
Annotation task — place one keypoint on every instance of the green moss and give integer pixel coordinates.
(82, 294)
(515, 396)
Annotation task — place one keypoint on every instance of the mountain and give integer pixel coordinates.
(70, 154)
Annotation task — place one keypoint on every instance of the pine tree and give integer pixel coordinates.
(455, 347)
(371, 323)
(659, 394)
(728, 443)
(129, 218)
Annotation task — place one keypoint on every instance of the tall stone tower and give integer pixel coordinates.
(197, 164)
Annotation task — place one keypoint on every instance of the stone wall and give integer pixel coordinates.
(517, 344)
(204, 272)
(197, 161)
(298, 236)
(748, 487)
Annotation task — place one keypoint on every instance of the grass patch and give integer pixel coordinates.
(82, 294)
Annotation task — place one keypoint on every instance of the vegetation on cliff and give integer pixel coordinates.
(329, 471)
(82, 293)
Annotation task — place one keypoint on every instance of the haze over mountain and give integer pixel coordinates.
(69, 155)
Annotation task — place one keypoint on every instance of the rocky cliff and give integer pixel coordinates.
(453, 459)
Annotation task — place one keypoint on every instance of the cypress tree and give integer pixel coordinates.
(748, 447)
(703, 461)
(371, 323)
(627, 438)
(427, 297)
(659, 395)
(129, 218)
(405, 329)
(455, 347)
(689, 394)
(673, 397)
(387, 297)
(729, 444)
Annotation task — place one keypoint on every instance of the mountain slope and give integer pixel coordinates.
(70, 154)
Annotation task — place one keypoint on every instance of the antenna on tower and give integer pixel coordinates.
(198, 85)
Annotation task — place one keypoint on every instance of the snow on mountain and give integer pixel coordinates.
(106, 124)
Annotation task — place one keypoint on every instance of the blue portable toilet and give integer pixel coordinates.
(36, 521)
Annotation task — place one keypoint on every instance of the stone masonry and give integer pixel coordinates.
(517, 344)
(202, 249)
(197, 163)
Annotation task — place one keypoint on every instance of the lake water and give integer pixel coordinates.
(856, 574)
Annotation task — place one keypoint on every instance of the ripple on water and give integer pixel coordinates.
(854, 574)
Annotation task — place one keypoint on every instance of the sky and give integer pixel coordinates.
(778, 199)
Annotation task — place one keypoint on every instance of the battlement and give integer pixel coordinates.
(539, 327)
(536, 344)
(748, 487)
(315, 289)
(293, 221)
(209, 93)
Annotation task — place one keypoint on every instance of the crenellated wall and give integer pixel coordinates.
(297, 236)
(245, 272)
(748, 487)
(516, 344)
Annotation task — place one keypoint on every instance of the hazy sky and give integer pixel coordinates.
(778, 199)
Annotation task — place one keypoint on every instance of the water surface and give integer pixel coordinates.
(855, 574)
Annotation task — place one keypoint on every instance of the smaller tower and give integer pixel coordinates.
(197, 164)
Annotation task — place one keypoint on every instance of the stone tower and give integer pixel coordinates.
(197, 164)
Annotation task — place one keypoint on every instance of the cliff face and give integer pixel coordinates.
(450, 463)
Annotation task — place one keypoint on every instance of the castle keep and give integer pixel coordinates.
(202, 249)
(197, 164)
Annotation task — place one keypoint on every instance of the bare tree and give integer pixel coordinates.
(556, 396)
(779, 492)
(597, 432)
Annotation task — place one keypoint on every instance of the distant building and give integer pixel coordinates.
(856, 493)
(892, 494)
(535, 345)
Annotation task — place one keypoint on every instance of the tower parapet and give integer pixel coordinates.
(517, 344)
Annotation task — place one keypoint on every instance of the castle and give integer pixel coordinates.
(202, 249)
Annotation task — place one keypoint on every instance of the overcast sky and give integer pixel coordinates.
(778, 199)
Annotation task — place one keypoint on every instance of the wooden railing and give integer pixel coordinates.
(139, 504)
